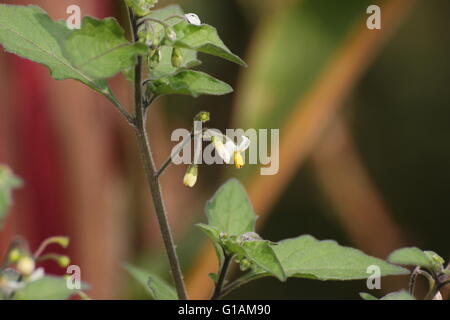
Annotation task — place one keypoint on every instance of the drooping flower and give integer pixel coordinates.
(192, 18)
(190, 177)
(228, 150)
(177, 57)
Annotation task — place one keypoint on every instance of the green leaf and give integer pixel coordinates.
(230, 210)
(188, 82)
(306, 257)
(214, 276)
(141, 7)
(165, 68)
(204, 38)
(129, 74)
(214, 234)
(436, 260)
(367, 296)
(29, 33)
(155, 286)
(8, 182)
(46, 288)
(166, 12)
(399, 295)
(100, 49)
(411, 256)
(261, 253)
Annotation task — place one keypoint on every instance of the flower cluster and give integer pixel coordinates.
(226, 148)
(19, 266)
(155, 33)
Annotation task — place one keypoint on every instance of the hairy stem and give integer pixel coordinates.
(121, 109)
(152, 179)
(222, 276)
(169, 159)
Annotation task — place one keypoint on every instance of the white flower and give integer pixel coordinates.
(36, 275)
(10, 283)
(228, 149)
(192, 18)
(249, 236)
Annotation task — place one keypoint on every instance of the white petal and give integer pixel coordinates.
(223, 152)
(14, 285)
(245, 143)
(231, 148)
(192, 18)
(36, 275)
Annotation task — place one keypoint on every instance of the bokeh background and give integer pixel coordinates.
(364, 119)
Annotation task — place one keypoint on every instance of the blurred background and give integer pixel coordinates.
(364, 155)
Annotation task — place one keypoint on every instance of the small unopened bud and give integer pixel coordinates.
(202, 116)
(177, 57)
(140, 7)
(171, 34)
(63, 261)
(223, 235)
(190, 177)
(244, 264)
(142, 35)
(249, 236)
(25, 265)
(14, 255)
(154, 59)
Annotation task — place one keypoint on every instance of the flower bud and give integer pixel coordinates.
(25, 265)
(202, 116)
(140, 7)
(245, 264)
(177, 57)
(14, 255)
(154, 59)
(171, 34)
(190, 178)
(63, 261)
(141, 36)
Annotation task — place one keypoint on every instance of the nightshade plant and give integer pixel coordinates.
(158, 59)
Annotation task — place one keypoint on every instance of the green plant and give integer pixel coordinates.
(20, 276)
(158, 59)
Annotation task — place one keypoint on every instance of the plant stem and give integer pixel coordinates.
(121, 109)
(153, 181)
(169, 159)
(412, 280)
(239, 282)
(222, 276)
